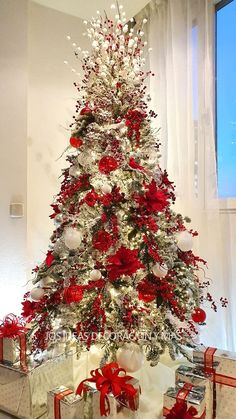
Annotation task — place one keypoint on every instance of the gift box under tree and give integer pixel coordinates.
(198, 377)
(13, 341)
(184, 402)
(24, 394)
(109, 392)
(222, 365)
(63, 403)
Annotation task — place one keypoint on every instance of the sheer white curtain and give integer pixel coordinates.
(181, 34)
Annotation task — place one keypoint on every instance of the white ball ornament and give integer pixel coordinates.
(95, 354)
(74, 171)
(106, 188)
(47, 281)
(160, 270)
(37, 293)
(72, 237)
(184, 241)
(95, 275)
(130, 357)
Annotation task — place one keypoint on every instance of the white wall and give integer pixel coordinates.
(37, 100)
(51, 104)
(13, 135)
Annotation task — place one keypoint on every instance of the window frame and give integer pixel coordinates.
(227, 205)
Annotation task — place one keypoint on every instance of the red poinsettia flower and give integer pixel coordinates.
(154, 200)
(107, 164)
(91, 198)
(123, 262)
(49, 259)
(28, 308)
(102, 241)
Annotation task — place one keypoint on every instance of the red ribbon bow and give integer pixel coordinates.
(11, 327)
(108, 380)
(181, 411)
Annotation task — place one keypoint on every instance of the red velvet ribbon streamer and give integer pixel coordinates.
(57, 402)
(108, 381)
(12, 327)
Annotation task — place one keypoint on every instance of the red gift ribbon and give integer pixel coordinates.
(216, 377)
(186, 415)
(12, 327)
(108, 380)
(57, 402)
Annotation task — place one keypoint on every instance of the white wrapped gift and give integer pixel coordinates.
(24, 394)
(63, 403)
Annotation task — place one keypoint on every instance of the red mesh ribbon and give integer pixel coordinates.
(13, 327)
(109, 381)
(57, 402)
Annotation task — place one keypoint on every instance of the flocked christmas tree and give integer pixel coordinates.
(119, 270)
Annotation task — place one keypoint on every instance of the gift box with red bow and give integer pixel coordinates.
(23, 394)
(197, 377)
(63, 403)
(222, 365)
(184, 401)
(13, 342)
(110, 391)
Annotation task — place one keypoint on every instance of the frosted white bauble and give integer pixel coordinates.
(47, 281)
(74, 171)
(37, 293)
(95, 275)
(73, 238)
(160, 270)
(184, 241)
(130, 357)
(106, 188)
(95, 354)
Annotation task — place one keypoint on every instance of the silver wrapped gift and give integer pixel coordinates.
(197, 377)
(63, 403)
(24, 394)
(223, 365)
(117, 405)
(11, 350)
(194, 397)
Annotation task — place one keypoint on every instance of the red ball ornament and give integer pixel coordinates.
(199, 315)
(107, 164)
(85, 111)
(76, 142)
(73, 294)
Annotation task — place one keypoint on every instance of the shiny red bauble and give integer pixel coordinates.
(85, 111)
(73, 294)
(107, 164)
(76, 142)
(199, 315)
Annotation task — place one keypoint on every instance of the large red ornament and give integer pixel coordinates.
(107, 164)
(73, 294)
(199, 315)
(76, 142)
(85, 111)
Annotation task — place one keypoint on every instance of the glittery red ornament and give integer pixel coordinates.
(107, 164)
(76, 142)
(73, 294)
(199, 315)
(85, 111)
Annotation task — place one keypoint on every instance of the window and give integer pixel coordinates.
(226, 97)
